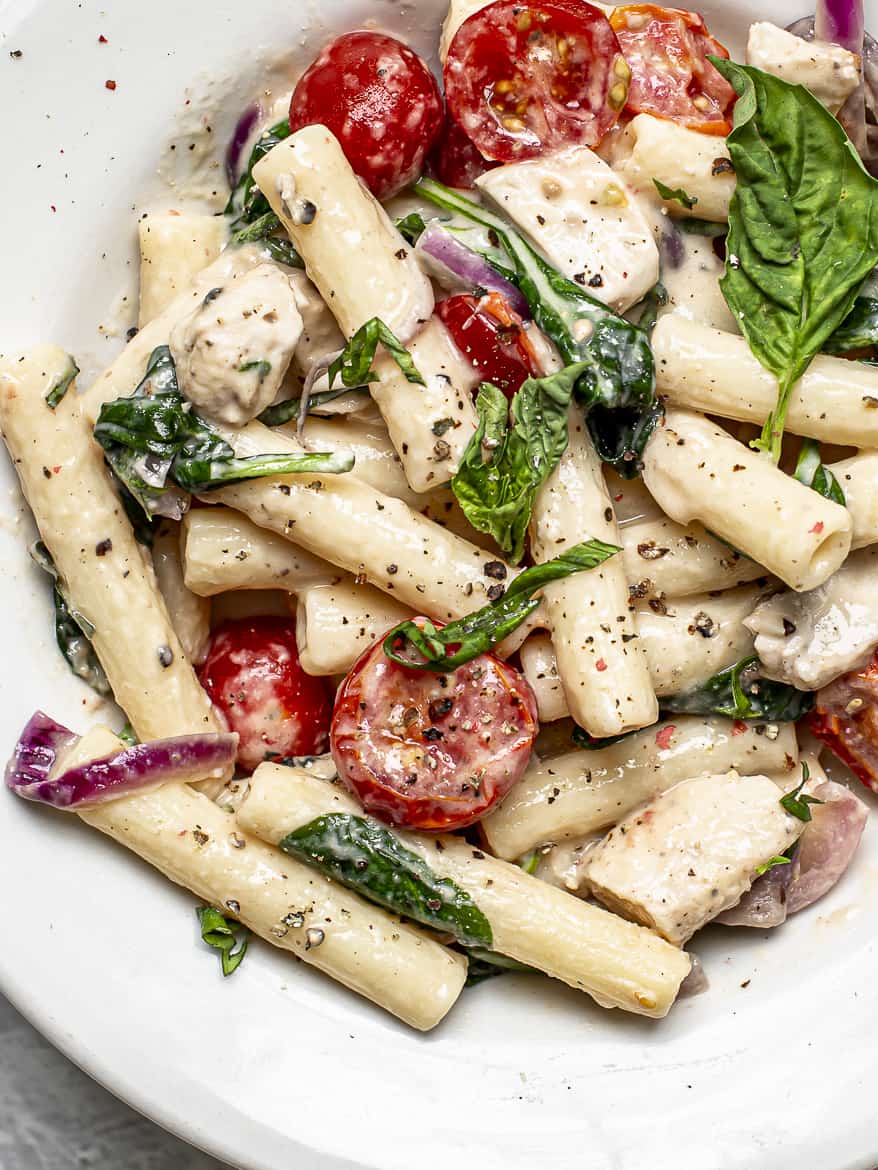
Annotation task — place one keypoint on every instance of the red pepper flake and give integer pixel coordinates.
(110, 84)
(739, 727)
(620, 496)
(818, 527)
(102, 40)
(56, 469)
(601, 665)
(663, 738)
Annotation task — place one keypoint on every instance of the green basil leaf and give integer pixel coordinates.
(247, 204)
(859, 330)
(772, 863)
(261, 231)
(205, 475)
(224, 935)
(504, 464)
(126, 734)
(675, 194)
(61, 387)
(288, 411)
(803, 228)
(617, 384)
(366, 857)
(424, 646)
(813, 474)
(411, 227)
(488, 964)
(798, 803)
(740, 692)
(354, 363)
(590, 743)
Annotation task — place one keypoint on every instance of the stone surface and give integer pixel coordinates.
(53, 1117)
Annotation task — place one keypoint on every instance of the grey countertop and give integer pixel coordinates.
(53, 1117)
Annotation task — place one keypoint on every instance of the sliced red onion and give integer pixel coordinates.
(840, 22)
(238, 141)
(145, 765)
(765, 903)
(696, 982)
(458, 268)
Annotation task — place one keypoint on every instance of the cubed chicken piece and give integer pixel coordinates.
(830, 72)
(691, 853)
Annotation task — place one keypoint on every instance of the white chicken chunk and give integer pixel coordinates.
(233, 350)
(809, 639)
(577, 211)
(691, 853)
(830, 72)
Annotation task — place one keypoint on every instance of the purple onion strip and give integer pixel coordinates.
(145, 765)
(242, 131)
(840, 22)
(457, 266)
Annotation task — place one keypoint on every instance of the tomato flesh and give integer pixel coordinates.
(428, 751)
(253, 677)
(492, 337)
(380, 101)
(671, 78)
(455, 160)
(846, 720)
(525, 79)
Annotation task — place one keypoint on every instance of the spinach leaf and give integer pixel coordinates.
(223, 934)
(354, 363)
(366, 857)
(487, 964)
(803, 228)
(691, 226)
(411, 227)
(811, 472)
(280, 248)
(61, 387)
(156, 445)
(589, 743)
(504, 465)
(655, 299)
(797, 803)
(73, 632)
(859, 330)
(284, 412)
(675, 194)
(478, 632)
(740, 692)
(247, 204)
(617, 384)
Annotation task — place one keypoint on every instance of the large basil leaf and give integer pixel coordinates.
(505, 463)
(859, 330)
(803, 228)
(425, 647)
(740, 692)
(366, 857)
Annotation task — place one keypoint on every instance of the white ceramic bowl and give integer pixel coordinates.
(278, 1067)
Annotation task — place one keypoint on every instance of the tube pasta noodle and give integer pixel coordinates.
(189, 613)
(697, 471)
(706, 369)
(858, 478)
(540, 668)
(336, 623)
(617, 964)
(105, 573)
(583, 791)
(288, 905)
(663, 557)
(174, 248)
(601, 662)
(223, 550)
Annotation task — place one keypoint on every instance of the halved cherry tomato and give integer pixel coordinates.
(253, 676)
(671, 78)
(522, 79)
(430, 751)
(491, 335)
(846, 719)
(380, 101)
(455, 160)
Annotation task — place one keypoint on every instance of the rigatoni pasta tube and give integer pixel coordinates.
(835, 400)
(583, 791)
(336, 623)
(189, 613)
(679, 157)
(697, 471)
(858, 479)
(199, 846)
(360, 263)
(664, 557)
(174, 248)
(104, 571)
(532, 922)
(600, 659)
(377, 462)
(223, 550)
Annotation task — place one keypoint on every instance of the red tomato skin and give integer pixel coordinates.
(455, 160)
(851, 735)
(522, 79)
(666, 49)
(380, 101)
(371, 739)
(253, 677)
(491, 336)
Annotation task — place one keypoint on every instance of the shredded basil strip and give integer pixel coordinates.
(156, 445)
(772, 863)
(478, 632)
(512, 453)
(288, 411)
(366, 857)
(224, 934)
(699, 227)
(740, 692)
(675, 194)
(61, 387)
(798, 803)
(803, 228)
(617, 385)
(247, 204)
(813, 474)
(354, 363)
(655, 299)
(411, 227)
